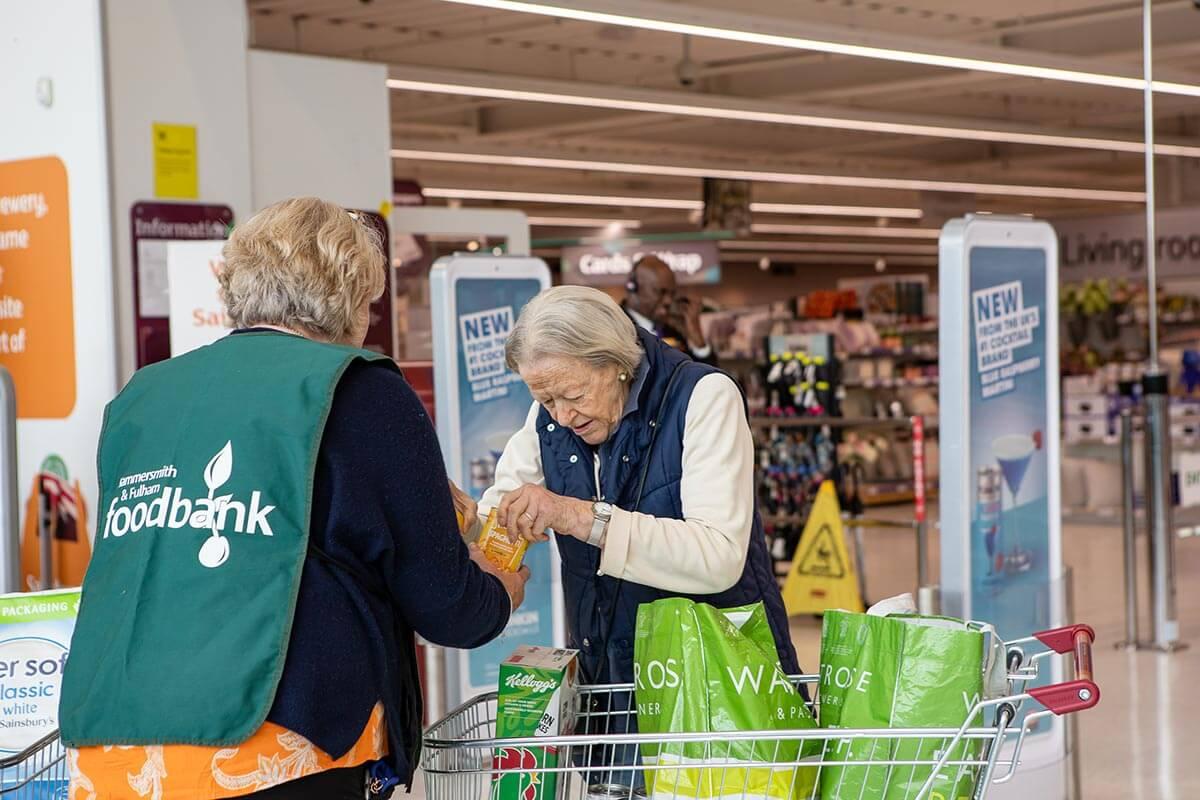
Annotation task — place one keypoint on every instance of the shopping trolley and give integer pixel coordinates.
(39, 772)
(596, 765)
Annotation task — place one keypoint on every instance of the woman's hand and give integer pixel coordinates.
(514, 582)
(466, 507)
(528, 511)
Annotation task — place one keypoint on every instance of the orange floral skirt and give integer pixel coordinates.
(273, 755)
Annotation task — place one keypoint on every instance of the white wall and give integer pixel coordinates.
(319, 126)
(174, 61)
(61, 40)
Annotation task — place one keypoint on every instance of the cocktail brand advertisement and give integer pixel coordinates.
(1010, 524)
(493, 404)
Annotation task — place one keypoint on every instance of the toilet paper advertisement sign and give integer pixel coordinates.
(35, 640)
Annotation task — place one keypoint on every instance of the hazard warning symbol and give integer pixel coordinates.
(820, 557)
(822, 575)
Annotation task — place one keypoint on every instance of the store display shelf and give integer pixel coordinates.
(891, 492)
(892, 383)
(901, 328)
(760, 421)
(906, 354)
(1170, 318)
(860, 522)
(1186, 519)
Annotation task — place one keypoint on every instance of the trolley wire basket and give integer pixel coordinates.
(39, 772)
(607, 760)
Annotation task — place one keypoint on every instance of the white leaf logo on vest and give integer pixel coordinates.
(171, 510)
(215, 549)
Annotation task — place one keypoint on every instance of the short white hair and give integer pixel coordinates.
(574, 322)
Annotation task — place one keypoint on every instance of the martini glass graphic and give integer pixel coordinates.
(1013, 453)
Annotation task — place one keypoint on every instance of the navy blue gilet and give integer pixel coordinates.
(602, 611)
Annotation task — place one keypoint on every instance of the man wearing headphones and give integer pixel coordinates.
(652, 302)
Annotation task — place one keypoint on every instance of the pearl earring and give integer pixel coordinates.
(624, 376)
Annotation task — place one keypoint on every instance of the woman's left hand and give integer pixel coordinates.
(528, 511)
(466, 507)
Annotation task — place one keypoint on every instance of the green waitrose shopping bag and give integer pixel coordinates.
(699, 669)
(897, 672)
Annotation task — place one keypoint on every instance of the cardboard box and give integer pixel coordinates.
(538, 696)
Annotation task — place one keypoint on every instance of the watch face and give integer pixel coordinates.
(603, 510)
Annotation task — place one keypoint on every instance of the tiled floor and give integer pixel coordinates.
(1140, 742)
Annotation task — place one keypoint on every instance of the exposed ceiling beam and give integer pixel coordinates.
(821, 37)
(422, 112)
(774, 61)
(662, 101)
(772, 173)
(427, 38)
(1071, 19)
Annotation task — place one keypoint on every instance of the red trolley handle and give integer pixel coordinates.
(1081, 693)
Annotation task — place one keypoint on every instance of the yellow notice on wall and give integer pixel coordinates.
(175, 170)
(822, 575)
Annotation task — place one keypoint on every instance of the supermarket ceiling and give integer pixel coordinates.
(903, 104)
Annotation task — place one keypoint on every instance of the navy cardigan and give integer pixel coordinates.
(382, 507)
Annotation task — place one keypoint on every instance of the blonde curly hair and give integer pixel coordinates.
(302, 263)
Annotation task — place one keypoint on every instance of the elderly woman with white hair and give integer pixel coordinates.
(641, 462)
(278, 526)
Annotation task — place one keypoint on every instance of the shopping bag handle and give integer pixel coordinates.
(1079, 694)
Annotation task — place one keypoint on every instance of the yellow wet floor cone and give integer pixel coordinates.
(822, 574)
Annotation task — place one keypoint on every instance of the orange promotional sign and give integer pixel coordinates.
(37, 316)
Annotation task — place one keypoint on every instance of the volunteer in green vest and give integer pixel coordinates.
(275, 525)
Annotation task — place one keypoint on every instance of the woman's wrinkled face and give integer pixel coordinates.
(586, 399)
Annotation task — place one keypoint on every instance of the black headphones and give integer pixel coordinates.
(632, 283)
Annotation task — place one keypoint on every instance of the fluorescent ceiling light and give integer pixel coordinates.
(839, 48)
(566, 199)
(744, 113)
(836, 211)
(959, 187)
(830, 247)
(583, 222)
(798, 209)
(848, 230)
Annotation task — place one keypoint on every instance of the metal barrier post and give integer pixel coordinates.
(1154, 394)
(919, 513)
(1159, 507)
(1075, 790)
(927, 596)
(10, 513)
(1128, 520)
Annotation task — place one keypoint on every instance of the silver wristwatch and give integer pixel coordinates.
(601, 515)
